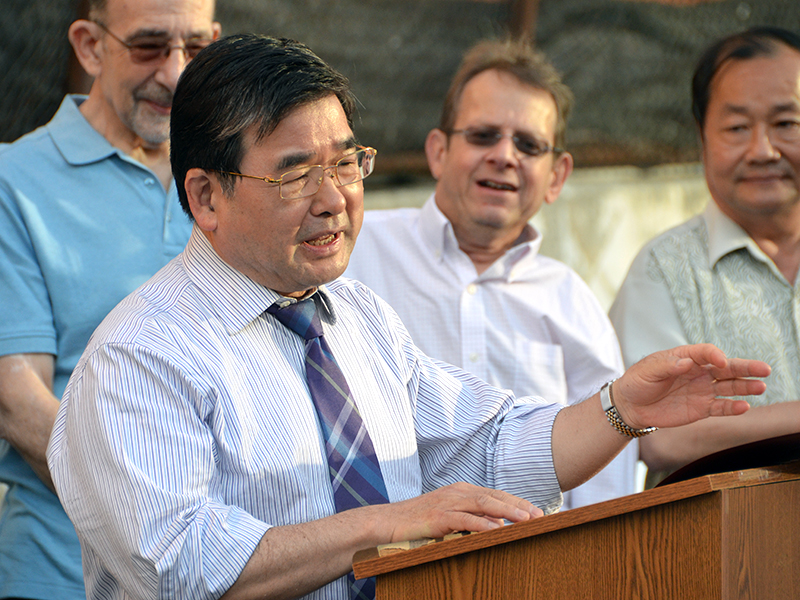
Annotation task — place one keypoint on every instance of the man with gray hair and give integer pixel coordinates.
(88, 212)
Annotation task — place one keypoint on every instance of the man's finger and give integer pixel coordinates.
(725, 407)
(703, 354)
(739, 387)
(496, 503)
(739, 367)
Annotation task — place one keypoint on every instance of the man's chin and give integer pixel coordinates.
(152, 138)
(497, 218)
(152, 129)
(761, 205)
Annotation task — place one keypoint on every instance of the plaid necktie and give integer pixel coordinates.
(353, 467)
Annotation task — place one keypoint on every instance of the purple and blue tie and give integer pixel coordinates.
(353, 466)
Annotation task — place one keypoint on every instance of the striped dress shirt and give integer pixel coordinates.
(187, 430)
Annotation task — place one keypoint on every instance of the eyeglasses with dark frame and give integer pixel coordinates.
(486, 137)
(306, 181)
(150, 50)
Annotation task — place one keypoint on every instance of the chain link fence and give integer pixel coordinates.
(628, 62)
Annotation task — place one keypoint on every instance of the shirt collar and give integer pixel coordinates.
(437, 231)
(237, 299)
(77, 141)
(726, 236)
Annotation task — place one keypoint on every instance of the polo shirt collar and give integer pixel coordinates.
(237, 299)
(77, 141)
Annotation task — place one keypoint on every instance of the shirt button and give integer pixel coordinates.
(474, 357)
(472, 289)
(149, 181)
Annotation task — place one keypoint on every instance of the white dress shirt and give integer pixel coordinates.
(187, 429)
(528, 323)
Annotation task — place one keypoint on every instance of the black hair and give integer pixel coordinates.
(242, 83)
(752, 43)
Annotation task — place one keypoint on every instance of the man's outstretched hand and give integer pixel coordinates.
(683, 385)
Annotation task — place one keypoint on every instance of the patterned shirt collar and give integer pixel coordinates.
(726, 236)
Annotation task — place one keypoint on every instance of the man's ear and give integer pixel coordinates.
(436, 151)
(204, 194)
(85, 39)
(701, 143)
(562, 167)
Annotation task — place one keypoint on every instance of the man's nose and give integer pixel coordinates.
(761, 147)
(329, 197)
(172, 67)
(504, 152)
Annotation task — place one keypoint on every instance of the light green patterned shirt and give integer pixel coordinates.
(708, 281)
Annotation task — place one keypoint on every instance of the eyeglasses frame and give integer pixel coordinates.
(335, 177)
(167, 48)
(514, 139)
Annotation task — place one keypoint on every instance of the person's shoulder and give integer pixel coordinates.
(24, 165)
(670, 252)
(359, 299)
(382, 219)
(359, 309)
(24, 148)
(691, 232)
(565, 289)
(386, 236)
(150, 310)
(547, 269)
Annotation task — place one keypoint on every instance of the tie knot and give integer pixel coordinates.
(301, 317)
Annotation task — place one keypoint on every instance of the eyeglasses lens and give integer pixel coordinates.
(145, 52)
(351, 169)
(489, 137)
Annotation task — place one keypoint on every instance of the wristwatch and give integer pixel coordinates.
(607, 402)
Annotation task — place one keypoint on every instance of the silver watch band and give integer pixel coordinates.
(607, 402)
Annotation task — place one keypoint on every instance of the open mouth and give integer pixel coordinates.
(323, 241)
(495, 185)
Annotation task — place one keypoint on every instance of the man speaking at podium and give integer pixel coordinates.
(247, 420)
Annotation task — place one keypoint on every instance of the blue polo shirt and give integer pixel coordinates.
(81, 226)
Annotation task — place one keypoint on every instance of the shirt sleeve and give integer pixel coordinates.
(27, 323)
(134, 458)
(643, 312)
(468, 430)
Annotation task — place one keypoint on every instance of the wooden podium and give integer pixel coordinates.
(723, 536)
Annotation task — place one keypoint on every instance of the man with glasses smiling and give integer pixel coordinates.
(464, 272)
(88, 211)
(245, 421)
